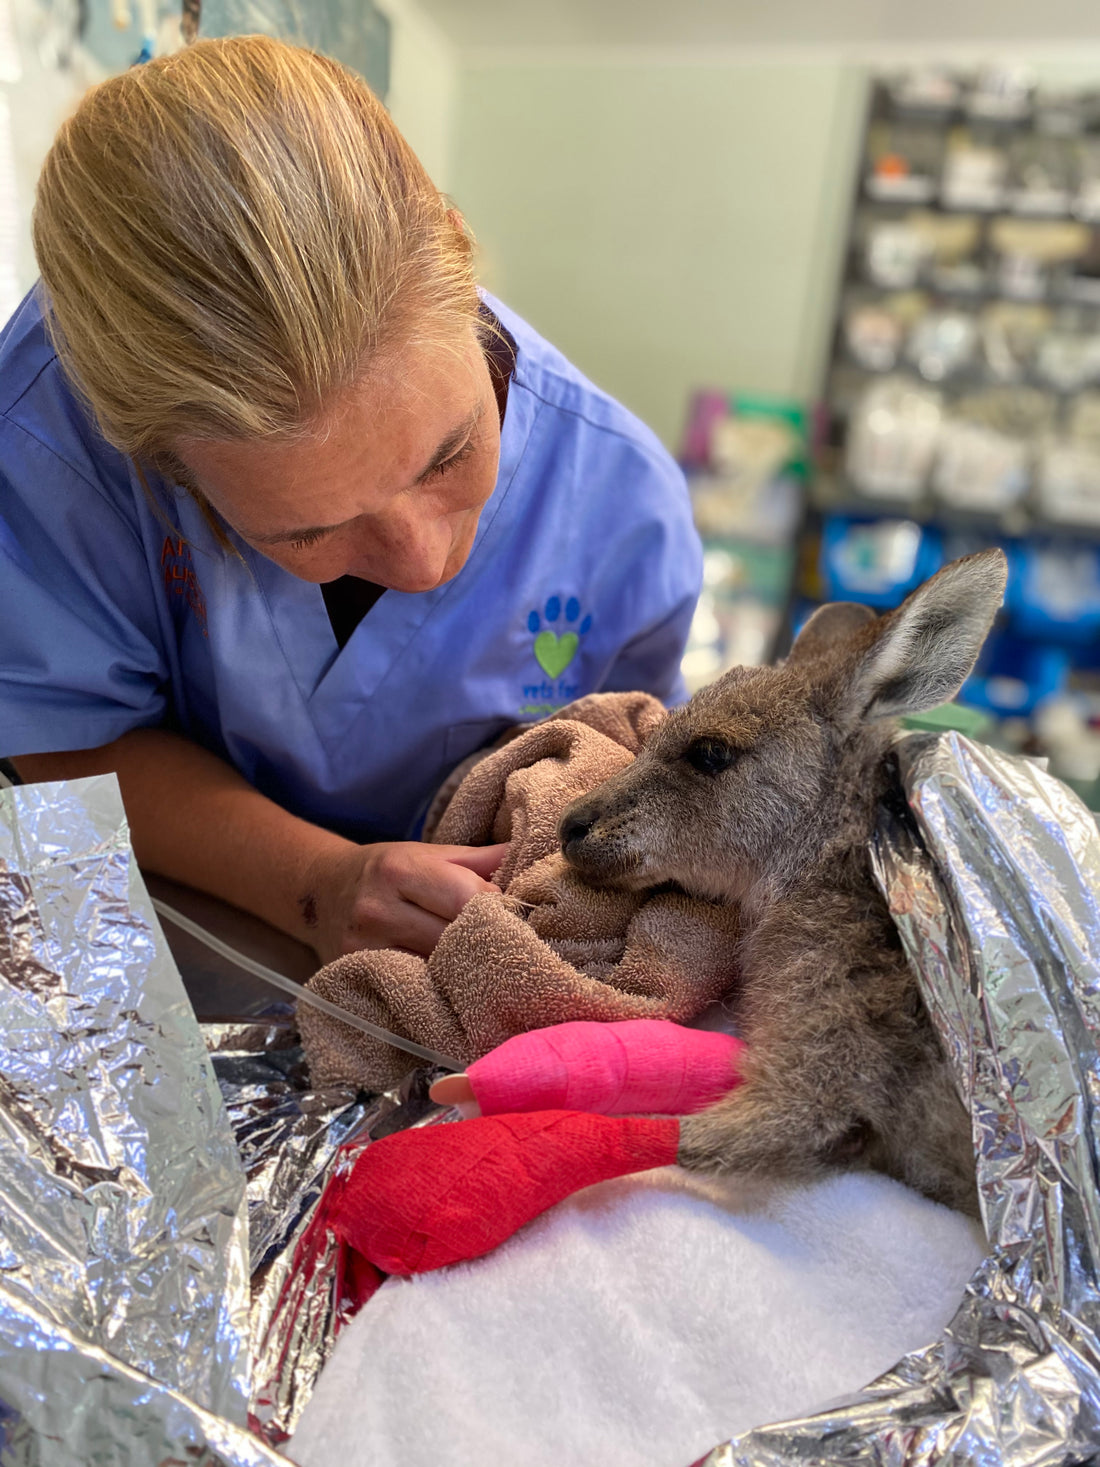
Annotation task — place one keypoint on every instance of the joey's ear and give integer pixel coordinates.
(928, 646)
(828, 626)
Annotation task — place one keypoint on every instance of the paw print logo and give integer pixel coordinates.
(556, 645)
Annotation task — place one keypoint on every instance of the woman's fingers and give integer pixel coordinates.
(403, 893)
(442, 884)
(413, 929)
(484, 861)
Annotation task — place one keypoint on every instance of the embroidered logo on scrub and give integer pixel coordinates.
(555, 646)
(180, 578)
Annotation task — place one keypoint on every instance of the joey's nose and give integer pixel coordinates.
(573, 829)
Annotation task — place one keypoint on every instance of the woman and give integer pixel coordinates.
(258, 389)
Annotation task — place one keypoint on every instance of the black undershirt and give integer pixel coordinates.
(347, 602)
(349, 599)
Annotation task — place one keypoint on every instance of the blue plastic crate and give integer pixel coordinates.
(876, 561)
(1054, 591)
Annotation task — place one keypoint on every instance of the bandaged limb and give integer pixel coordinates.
(633, 1067)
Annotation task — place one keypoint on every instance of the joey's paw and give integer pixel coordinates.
(456, 1091)
(706, 1142)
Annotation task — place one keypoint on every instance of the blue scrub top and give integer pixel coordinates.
(583, 577)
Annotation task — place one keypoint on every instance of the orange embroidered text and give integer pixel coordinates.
(180, 578)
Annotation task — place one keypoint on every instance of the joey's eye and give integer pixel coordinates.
(710, 756)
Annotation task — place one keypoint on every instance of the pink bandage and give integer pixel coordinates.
(635, 1067)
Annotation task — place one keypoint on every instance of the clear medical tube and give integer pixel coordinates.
(300, 993)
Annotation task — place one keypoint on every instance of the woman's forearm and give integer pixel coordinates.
(195, 819)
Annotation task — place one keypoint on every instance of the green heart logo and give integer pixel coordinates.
(554, 653)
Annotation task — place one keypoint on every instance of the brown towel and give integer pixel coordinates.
(550, 948)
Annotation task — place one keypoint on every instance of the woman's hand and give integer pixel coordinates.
(393, 894)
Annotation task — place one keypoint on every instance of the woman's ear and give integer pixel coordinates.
(466, 239)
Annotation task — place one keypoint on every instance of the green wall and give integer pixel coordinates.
(667, 226)
(423, 86)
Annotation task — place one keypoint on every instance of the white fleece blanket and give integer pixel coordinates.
(641, 1322)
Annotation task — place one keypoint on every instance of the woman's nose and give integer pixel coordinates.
(409, 555)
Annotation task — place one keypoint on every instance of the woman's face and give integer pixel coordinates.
(389, 487)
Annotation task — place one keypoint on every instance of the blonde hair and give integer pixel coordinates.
(228, 236)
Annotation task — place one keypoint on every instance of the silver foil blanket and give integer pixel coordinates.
(144, 1182)
(123, 1234)
(297, 1145)
(993, 877)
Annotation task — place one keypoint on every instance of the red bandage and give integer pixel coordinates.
(422, 1199)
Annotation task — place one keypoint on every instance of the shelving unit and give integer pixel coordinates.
(962, 394)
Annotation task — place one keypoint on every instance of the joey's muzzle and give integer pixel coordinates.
(574, 828)
(596, 841)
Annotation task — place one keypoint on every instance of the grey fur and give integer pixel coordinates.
(843, 1066)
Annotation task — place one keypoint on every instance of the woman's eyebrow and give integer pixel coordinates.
(452, 443)
(447, 448)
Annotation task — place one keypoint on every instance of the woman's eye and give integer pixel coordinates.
(710, 756)
(305, 541)
(453, 462)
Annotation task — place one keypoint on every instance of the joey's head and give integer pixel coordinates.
(767, 770)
